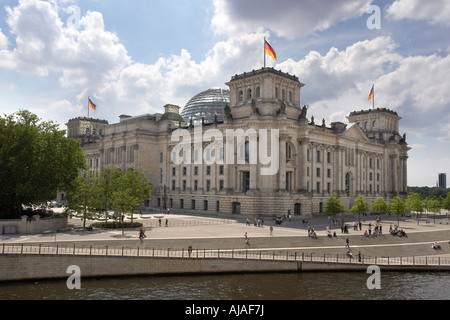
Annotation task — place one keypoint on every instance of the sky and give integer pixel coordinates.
(133, 57)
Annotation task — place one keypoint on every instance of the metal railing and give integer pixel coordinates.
(268, 254)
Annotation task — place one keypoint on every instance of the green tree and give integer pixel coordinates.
(36, 160)
(446, 202)
(379, 205)
(434, 205)
(397, 207)
(83, 197)
(107, 185)
(334, 206)
(132, 189)
(415, 203)
(361, 206)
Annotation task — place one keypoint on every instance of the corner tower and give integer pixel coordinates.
(265, 92)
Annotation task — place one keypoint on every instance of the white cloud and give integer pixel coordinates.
(434, 12)
(339, 82)
(417, 146)
(3, 41)
(84, 57)
(175, 79)
(287, 18)
(91, 61)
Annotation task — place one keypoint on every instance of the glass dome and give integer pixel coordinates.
(206, 105)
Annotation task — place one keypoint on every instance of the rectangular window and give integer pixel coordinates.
(184, 185)
(195, 171)
(328, 173)
(318, 172)
(208, 170)
(208, 185)
(318, 187)
(329, 157)
(318, 155)
(195, 185)
(221, 185)
(181, 203)
(184, 171)
(221, 169)
(245, 181)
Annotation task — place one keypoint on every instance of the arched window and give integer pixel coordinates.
(241, 96)
(258, 92)
(366, 125)
(276, 92)
(374, 125)
(249, 94)
(283, 94)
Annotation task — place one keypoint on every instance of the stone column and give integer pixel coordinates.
(282, 170)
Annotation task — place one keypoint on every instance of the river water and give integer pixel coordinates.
(272, 286)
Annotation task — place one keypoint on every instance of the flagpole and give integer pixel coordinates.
(373, 98)
(88, 106)
(264, 52)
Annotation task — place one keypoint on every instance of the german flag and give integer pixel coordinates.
(269, 50)
(371, 93)
(92, 105)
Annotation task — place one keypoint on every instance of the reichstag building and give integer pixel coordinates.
(367, 156)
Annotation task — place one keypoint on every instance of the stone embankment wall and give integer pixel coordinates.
(33, 267)
(35, 225)
(20, 267)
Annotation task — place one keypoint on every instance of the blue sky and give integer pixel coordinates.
(133, 57)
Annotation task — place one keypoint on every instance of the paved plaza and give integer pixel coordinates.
(179, 231)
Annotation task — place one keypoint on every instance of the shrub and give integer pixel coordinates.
(116, 225)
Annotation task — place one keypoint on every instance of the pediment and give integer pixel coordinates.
(355, 132)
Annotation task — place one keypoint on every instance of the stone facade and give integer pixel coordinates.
(368, 158)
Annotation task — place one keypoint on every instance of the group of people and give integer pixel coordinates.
(312, 232)
(378, 229)
(142, 233)
(256, 222)
(396, 231)
(435, 245)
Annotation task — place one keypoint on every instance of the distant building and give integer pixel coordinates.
(442, 180)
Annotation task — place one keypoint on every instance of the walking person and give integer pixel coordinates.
(271, 230)
(247, 240)
(347, 243)
(190, 250)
